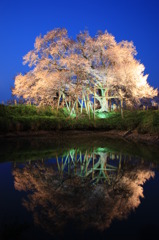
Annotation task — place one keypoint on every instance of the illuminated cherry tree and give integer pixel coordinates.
(87, 72)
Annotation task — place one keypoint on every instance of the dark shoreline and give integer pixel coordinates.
(129, 136)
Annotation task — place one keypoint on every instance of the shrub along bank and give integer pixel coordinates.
(18, 118)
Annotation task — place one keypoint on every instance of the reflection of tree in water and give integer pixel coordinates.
(68, 190)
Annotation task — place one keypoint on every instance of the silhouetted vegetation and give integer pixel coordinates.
(17, 118)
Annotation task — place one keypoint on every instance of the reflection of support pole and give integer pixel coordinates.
(119, 157)
(76, 161)
(85, 162)
(80, 157)
(119, 167)
(93, 166)
(57, 163)
(69, 165)
(105, 164)
(62, 167)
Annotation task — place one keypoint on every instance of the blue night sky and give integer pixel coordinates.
(22, 20)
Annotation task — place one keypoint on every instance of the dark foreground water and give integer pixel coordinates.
(78, 189)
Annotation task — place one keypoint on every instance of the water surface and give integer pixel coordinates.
(80, 188)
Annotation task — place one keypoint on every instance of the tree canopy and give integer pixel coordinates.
(87, 71)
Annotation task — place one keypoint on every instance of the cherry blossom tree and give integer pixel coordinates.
(116, 73)
(66, 72)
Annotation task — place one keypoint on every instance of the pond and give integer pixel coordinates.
(78, 188)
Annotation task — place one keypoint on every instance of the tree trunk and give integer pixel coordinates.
(94, 104)
(76, 107)
(88, 105)
(110, 105)
(82, 104)
(121, 102)
(85, 103)
(72, 110)
(63, 103)
(103, 100)
(58, 103)
(104, 105)
(67, 105)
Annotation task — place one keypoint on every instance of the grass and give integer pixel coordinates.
(17, 118)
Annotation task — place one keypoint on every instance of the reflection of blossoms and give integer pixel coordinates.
(55, 200)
